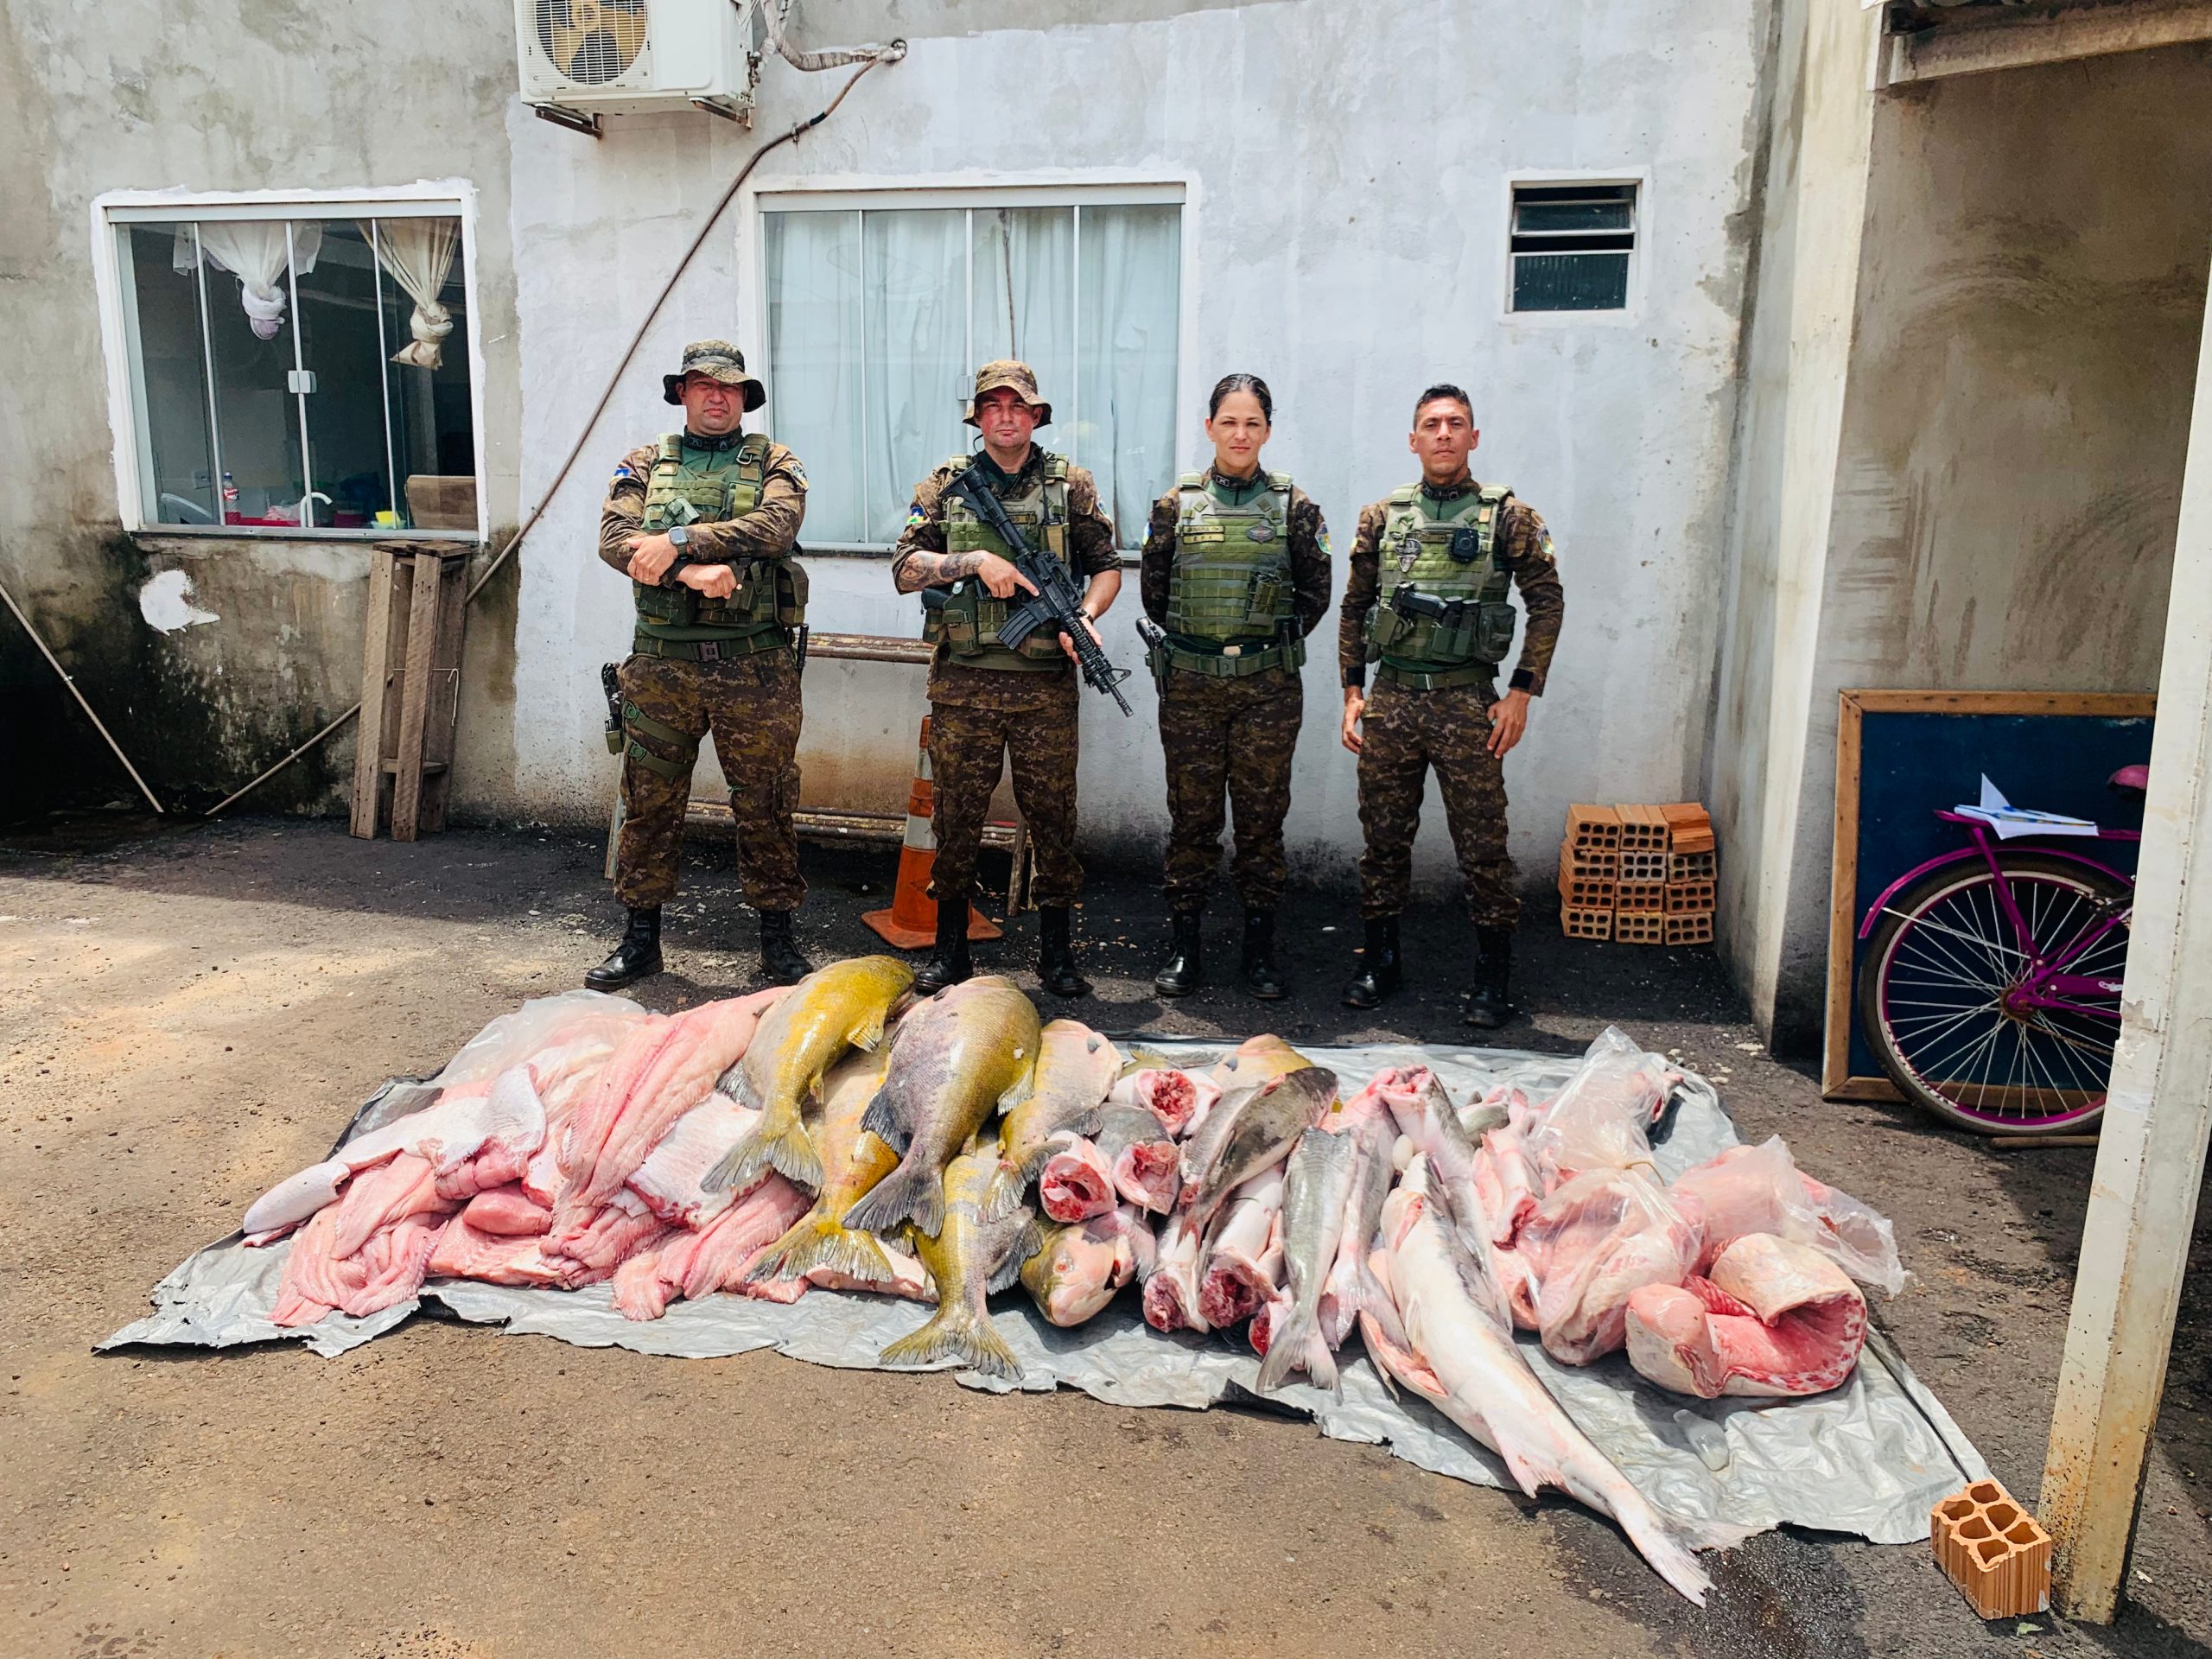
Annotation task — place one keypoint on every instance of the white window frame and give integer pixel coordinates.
(851, 193)
(440, 197)
(1628, 315)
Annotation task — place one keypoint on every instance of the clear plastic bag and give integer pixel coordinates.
(1599, 1237)
(1760, 1189)
(1602, 1116)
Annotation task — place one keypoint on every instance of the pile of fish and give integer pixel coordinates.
(842, 1133)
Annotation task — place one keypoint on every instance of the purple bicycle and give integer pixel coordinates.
(1991, 983)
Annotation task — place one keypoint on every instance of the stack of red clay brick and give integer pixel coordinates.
(1637, 875)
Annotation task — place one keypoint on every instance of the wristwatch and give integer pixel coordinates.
(679, 536)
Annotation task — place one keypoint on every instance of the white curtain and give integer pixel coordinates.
(417, 254)
(1025, 301)
(814, 362)
(915, 329)
(256, 252)
(1129, 284)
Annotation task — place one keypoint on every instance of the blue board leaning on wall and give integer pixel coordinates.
(1902, 756)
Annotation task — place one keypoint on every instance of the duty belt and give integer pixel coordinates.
(1231, 662)
(730, 650)
(1437, 679)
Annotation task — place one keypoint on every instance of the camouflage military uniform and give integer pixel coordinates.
(750, 704)
(979, 714)
(1405, 732)
(1229, 742)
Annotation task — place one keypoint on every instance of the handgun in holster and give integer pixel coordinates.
(610, 680)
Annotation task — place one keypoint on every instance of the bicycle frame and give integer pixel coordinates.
(2045, 985)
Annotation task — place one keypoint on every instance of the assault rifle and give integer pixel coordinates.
(1056, 600)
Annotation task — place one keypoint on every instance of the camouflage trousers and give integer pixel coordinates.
(976, 716)
(752, 705)
(1228, 745)
(1404, 734)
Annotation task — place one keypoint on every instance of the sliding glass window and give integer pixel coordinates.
(879, 315)
(299, 373)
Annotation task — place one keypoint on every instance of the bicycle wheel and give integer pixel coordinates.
(1936, 986)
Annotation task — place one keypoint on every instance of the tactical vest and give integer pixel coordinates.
(1231, 592)
(969, 619)
(1446, 551)
(692, 485)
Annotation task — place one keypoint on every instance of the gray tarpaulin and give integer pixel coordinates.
(1870, 1458)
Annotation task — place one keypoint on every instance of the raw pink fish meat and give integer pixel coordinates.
(1599, 1237)
(1506, 1181)
(1176, 1098)
(1775, 1319)
(1242, 1262)
(640, 1092)
(717, 1257)
(615, 1230)
(507, 1211)
(1145, 1165)
(669, 1181)
(1076, 1181)
(1171, 1285)
(467, 1251)
(1438, 1330)
(407, 1186)
(1760, 1189)
(498, 1119)
(387, 1270)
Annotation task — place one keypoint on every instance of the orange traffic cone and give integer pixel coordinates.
(911, 923)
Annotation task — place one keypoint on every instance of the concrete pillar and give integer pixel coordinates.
(2151, 1157)
(1797, 365)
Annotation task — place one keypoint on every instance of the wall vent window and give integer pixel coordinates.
(1572, 245)
(299, 373)
(878, 316)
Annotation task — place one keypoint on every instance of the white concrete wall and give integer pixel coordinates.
(1970, 369)
(1346, 170)
(1796, 361)
(232, 95)
(2009, 474)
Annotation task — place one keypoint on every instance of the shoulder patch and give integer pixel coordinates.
(915, 515)
(797, 471)
(623, 472)
(1321, 539)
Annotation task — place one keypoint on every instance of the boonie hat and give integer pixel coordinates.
(1008, 372)
(721, 360)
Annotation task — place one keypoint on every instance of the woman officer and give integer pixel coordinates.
(1235, 569)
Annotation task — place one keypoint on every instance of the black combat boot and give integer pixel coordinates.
(949, 963)
(780, 961)
(1490, 1007)
(637, 957)
(1056, 953)
(1378, 974)
(1260, 976)
(1185, 967)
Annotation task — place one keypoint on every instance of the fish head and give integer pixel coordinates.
(1072, 1059)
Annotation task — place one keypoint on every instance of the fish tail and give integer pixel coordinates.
(816, 1240)
(954, 1332)
(1295, 1345)
(1669, 1543)
(911, 1193)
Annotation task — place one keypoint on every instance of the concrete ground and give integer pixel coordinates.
(187, 1013)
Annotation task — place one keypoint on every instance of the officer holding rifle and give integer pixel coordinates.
(1425, 602)
(1003, 681)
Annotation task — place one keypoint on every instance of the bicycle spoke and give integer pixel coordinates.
(1938, 955)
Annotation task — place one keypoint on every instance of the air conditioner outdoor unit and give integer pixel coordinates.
(583, 58)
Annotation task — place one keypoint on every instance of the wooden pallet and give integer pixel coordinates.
(410, 689)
